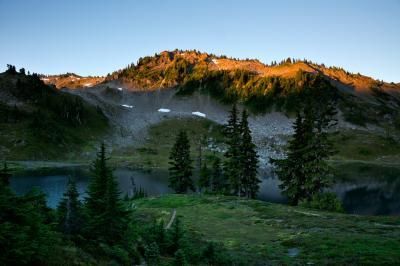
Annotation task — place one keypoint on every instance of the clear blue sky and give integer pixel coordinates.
(98, 37)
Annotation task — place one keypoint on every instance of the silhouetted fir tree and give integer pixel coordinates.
(69, 212)
(106, 215)
(11, 69)
(232, 162)
(305, 171)
(205, 178)
(291, 169)
(320, 115)
(180, 172)
(248, 160)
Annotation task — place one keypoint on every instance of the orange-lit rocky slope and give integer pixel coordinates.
(149, 72)
(71, 80)
(152, 72)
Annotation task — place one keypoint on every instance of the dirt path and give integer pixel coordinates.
(171, 220)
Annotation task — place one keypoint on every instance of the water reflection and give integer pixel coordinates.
(364, 197)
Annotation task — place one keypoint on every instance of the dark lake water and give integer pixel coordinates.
(364, 197)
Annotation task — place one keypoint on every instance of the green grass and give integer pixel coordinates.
(155, 151)
(18, 142)
(365, 155)
(260, 233)
(366, 146)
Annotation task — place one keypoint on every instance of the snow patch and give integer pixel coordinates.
(162, 110)
(199, 114)
(215, 61)
(120, 89)
(127, 106)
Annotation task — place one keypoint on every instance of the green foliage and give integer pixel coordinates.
(305, 170)
(180, 172)
(219, 182)
(176, 236)
(205, 178)
(106, 214)
(26, 233)
(69, 212)
(47, 122)
(248, 159)
(152, 254)
(241, 162)
(5, 175)
(323, 201)
(180, 258)
(232, 160)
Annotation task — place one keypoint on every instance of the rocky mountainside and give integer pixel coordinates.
(71, 80)
(169, 68)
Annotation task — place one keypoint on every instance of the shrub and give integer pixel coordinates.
(323, 201)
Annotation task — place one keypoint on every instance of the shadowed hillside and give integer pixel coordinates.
(39, 122)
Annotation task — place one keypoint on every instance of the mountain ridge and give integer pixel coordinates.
(164, 60)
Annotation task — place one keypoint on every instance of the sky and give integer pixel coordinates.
(96, 37)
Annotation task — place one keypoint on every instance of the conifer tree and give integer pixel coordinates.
(180, 172)
(305, 171)
(106, 215)
(69, 211)
(290, 170)
(232, 162)
(248, 160)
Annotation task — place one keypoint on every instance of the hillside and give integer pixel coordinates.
(40, 122)
(71, 80)
(260, 233)
(362, 100)
(158, 70)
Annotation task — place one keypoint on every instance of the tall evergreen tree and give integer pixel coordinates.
(69, 212)
(106, 215)
(291, 169)
(232, 162)
(180, 172)
(248, 160)
(305, 171)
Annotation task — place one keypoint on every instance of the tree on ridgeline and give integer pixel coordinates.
(69, 212)
(248, 159)
(107, 218)
(180, 172)
(305, 171)
(232, 161)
